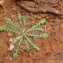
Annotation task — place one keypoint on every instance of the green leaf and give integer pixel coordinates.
(44, 35)
(13, 25)
(37, 28)
(34, 45)
(34, 35)
(9, 21)
(17, 40)
(19, 17)
(15, 55)
(20, 42)
(42, 21)
(27, 48)
(10, 30)
(22, 19)
(2, 28)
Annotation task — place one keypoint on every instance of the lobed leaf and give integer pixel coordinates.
(2, 28)
(42, 21)
(42, 35)
(22, 19)
(9, 21)
(27, 48)
(34, 35)
(17, 40)
(37, 28)
(34, 45)
(19, 17)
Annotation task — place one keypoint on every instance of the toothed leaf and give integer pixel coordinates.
(37, 28)
(27, 48)
(17, 40)
(42, 21)
(19, 17)
(44, 35)
(9, 21)
(34, 45)
(22, 19)
(34, 35)
(2, 28)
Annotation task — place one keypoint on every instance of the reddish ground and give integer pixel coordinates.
(51, 47)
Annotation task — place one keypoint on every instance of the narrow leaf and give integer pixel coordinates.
(37, 28)
(20, 42)
(34, 45)
(2, 28)
(27, 46)
(15, 55)
(22, 19)
(17, 40)
(42, 21)
(44, 35)
(9, 21)
(34, 35)
(19, 17)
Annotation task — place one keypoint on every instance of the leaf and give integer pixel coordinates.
(34, 35)
(22, 19)
(37, 28)
(19, 17)
(34, 45)
(15, 55)
(42, 21)
(20, 42)
(27, 48)
(9, 21)
(44, 35)
(10, 30)
(2, 28)
(17, 40)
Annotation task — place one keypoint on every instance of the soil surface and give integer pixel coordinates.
(51, 47)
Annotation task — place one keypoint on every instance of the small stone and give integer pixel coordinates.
(11, 47)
